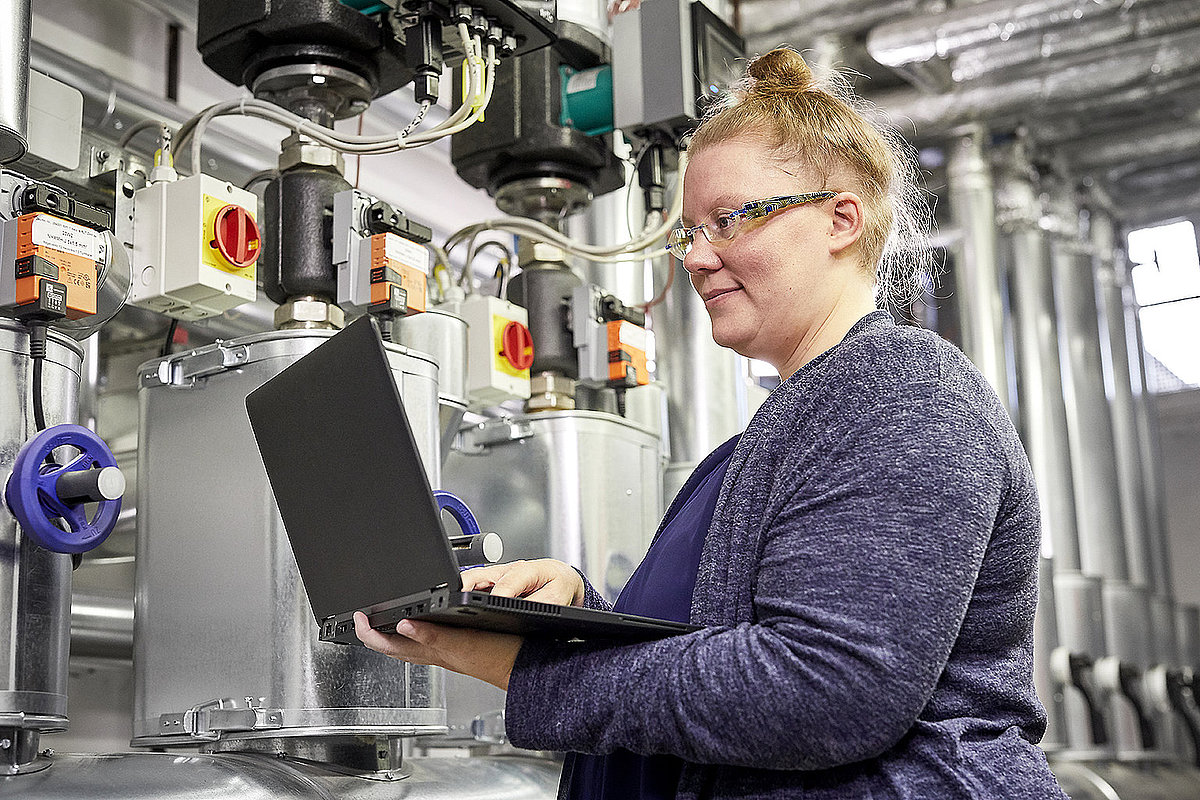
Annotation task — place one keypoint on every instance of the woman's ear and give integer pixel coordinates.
(847, 222)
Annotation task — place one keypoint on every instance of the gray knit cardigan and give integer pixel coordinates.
(867, 588)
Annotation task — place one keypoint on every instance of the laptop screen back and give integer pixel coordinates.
(348, 478)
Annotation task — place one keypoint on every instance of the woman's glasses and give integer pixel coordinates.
(724, 223)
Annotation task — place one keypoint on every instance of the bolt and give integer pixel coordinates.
(102, 156)
(5, 744)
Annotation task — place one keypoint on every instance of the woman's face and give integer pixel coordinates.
(771, 289)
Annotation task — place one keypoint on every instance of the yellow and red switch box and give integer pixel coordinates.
(196, 243)
(50, 267)
(499, 350)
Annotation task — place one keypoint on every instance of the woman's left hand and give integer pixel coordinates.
(481, 654)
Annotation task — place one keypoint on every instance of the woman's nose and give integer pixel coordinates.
(702, 257)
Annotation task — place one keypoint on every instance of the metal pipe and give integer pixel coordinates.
(14, 78)
(798, 20)
(1143, 21)
(110, 106)
(926, 37)
(1140, 71)
(982, 309)
(102, 626)
(1089, 425)
(1043, 413)
(1113, 294)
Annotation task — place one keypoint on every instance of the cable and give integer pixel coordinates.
(642, 246)
(480, 79)
(170, 340)
(37, 352)
(137, 128)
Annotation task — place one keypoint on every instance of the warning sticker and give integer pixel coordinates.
(43, 230)
(401, 250)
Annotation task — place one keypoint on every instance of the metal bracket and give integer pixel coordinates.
(199, 364)
(211, 719)
(476, 440)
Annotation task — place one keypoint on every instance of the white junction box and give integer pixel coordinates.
(196, 242)
(499, 350)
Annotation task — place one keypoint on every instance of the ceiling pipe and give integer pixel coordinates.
(1145, 21)
(766, 24)
(1145, 70)
(922, 38)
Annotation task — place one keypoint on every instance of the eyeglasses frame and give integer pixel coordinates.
(755, 209)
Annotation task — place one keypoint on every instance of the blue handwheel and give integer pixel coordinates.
(458, 509)
(39, 494)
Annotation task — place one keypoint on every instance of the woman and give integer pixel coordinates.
(863, 558)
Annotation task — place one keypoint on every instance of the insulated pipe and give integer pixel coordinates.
(798, 20)
(1077, 610)
(1143, 70)
(1113, 294)
(1089, 424)
(15, 17)
(982, 306)
(926, 37)
(1143, 21)
(1046, 641)
(1043, 413)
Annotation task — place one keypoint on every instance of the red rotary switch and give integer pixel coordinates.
(516, 345)
(236, 236)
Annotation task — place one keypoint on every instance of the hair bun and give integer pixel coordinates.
(782, 70)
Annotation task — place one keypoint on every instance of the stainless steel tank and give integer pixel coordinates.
(579, 486)
(226, 645)
(152, 776)
(35, 584)
(442, 334)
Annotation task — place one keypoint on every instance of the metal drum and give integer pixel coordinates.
(152, 776)
(443, 335)
(35, 584)
(226, 646)
(579, 486)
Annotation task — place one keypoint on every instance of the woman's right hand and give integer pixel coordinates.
(545, 580)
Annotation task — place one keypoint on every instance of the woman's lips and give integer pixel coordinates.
(715, 295)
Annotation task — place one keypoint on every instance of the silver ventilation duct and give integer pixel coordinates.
(770, 23)
(1144, 70)
(1143, 21)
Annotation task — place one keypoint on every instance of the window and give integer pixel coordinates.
(1166, 282)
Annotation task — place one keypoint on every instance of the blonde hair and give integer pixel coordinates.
(824, 125)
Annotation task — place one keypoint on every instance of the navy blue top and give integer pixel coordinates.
(661, 587)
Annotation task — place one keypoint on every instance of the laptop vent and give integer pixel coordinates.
(528, 606)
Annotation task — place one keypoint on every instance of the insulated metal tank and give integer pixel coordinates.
(225, 644)
(580, 486)
(35, 584)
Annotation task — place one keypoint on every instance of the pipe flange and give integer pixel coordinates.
(543, 198)
(339, 92)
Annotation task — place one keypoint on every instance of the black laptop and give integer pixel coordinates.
(364, 525)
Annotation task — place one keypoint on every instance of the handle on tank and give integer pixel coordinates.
(1181, 688)
(41, 492)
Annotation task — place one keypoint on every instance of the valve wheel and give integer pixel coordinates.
(32, 492)
(459, 510)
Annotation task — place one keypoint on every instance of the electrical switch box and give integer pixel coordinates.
(611, 339)
(499, 350)
(380, 258)
(196, 242)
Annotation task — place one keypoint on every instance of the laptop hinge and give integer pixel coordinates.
(225, 715)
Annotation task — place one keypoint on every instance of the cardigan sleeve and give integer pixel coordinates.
(874, 530)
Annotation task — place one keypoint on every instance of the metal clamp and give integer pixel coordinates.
(199, 364)
(212, 719)
(476, 440)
